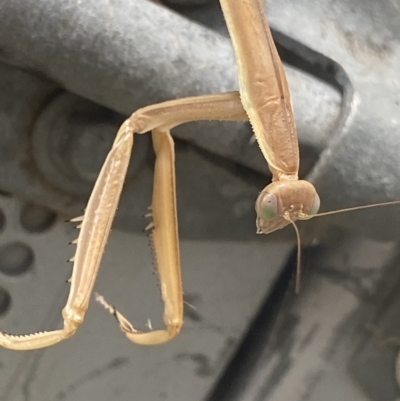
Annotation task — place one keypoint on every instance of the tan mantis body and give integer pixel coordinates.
(264, 99)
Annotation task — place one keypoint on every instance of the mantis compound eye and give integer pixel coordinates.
(267, 206)
(315, 207)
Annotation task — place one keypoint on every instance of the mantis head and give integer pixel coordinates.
(283, 202)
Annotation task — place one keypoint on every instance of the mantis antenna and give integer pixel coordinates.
(298, 238)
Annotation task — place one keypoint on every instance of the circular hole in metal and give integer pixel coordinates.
(2, 220)
(16, 258)
(5, 301)
(35, 218)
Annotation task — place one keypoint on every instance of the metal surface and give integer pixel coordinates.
(361, 164)
(71, 72)
(325, 343)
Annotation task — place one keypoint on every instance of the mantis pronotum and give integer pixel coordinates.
(263, 99)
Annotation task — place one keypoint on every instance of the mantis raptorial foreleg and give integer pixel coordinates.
(165, 232)
(96, 223)
(265, 97)
(164, 235)
(265, 100)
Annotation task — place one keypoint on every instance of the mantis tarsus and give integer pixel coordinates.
(264, 100)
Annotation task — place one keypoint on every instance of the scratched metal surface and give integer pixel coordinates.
(361, 163)
(343, 60)
(327, 342)
(224, 283)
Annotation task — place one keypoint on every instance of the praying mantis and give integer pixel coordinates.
(264, 100)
